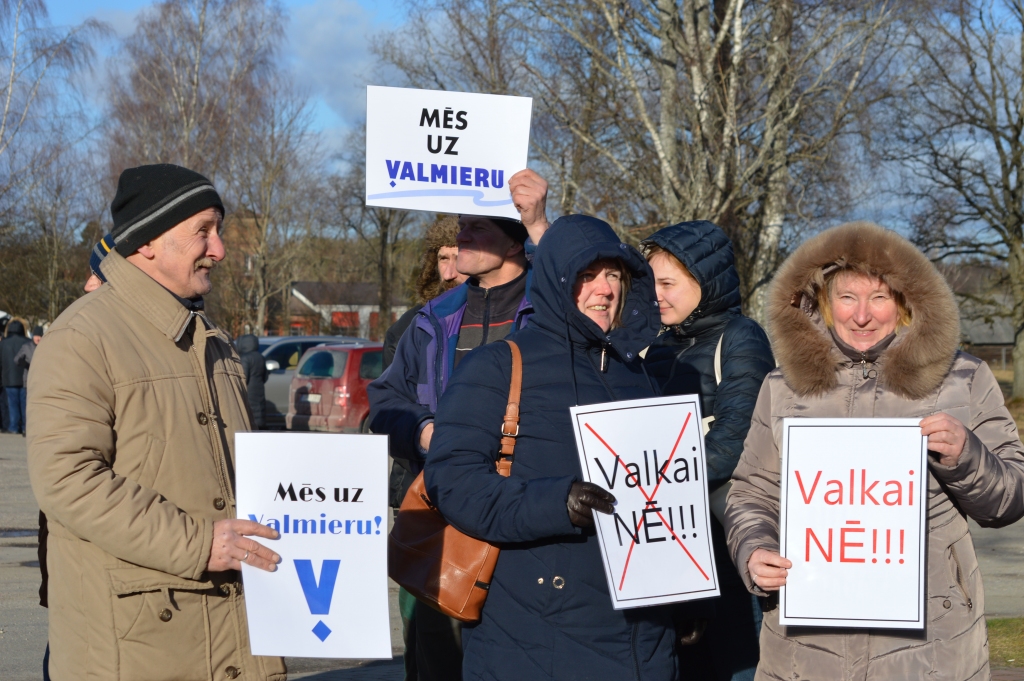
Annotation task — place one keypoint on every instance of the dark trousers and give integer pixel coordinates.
(4, 416)
(16, 398)
(729, 649)
(433, 642)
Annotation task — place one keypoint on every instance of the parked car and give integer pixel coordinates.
(282, 354)
(328, 391)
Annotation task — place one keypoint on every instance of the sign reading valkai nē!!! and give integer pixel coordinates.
(854, 515)
(649, 453)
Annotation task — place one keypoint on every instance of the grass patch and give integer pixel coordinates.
(1006, 642)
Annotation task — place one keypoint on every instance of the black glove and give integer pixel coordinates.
(584, 498)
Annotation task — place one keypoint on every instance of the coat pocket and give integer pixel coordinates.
(160, 625)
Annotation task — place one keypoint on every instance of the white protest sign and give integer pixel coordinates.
(853, 522)
(650, 454)
(327, 495)
(447, 152)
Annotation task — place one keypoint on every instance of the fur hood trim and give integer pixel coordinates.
(915, 364)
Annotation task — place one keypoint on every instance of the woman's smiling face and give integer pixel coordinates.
(864, 310)
(598, 291)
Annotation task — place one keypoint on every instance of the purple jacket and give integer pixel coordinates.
(406, 394)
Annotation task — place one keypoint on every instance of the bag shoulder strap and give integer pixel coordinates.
(510, 425)
(718, 360)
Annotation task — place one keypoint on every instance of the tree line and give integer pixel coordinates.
(772, 118)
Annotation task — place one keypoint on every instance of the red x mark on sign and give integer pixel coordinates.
(650, 498)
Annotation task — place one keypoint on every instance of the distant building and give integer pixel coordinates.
(316, 308)
(985, 301)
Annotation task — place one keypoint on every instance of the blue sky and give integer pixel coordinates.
(327, 47)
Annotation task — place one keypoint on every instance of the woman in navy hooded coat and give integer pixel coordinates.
(548, 613)
(699, 295)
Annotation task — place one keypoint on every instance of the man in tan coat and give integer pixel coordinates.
(135, 400)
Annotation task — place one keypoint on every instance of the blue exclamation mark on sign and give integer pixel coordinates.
(318, 594)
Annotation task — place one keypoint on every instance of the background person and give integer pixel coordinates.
(864, 325)
(14, 376)
(438, 273)
(491, 303)
(548, 613)
(135, 402)
(698, 292)
(254, 366)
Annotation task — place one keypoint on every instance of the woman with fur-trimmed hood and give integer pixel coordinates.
(863, 325)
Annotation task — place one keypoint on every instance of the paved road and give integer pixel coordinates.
(23, 622)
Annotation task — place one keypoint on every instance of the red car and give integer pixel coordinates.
(328, 392)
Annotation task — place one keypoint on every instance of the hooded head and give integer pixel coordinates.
(706, 253)
(247, 343)
(567, 249)
(917, 360)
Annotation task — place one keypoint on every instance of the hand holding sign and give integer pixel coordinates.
(946, 437)
(231, 547)
(584, 499)
(768, 570)
(530, 196)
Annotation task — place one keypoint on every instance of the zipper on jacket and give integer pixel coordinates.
(487, 316)
(604, 359)
(863, 365)
(632, 647)
(960, 578)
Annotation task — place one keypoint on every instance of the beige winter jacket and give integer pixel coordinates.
(133, 407)
(921, 373)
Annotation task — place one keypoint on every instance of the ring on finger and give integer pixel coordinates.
(246, 557)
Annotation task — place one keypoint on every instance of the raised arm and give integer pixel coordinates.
(530, 197)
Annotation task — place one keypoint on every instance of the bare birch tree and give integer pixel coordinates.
(183, 79)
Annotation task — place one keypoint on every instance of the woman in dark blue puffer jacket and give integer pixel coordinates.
(698, 292)
(548, 613)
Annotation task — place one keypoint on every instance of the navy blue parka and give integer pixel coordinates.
(548, 614)
(683, 358)
(683, 362)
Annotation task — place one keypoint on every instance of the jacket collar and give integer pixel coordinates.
(147, 298)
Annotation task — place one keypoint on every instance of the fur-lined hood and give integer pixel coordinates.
(920, 357)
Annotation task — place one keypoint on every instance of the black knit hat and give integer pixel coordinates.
(152, 199)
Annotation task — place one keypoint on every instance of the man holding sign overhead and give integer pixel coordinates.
(451, 152)
(866, 332)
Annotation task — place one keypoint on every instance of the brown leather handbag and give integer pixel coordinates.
(431, 559)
